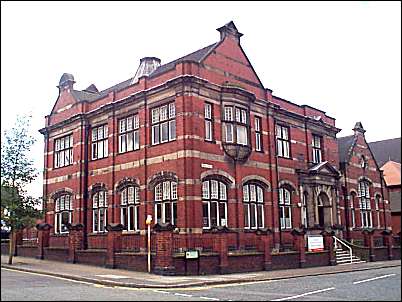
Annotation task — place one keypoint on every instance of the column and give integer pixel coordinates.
(329, 245)
(369, 242)
(163, 260)
(299, 244)
(43, 238)
(387, 235)
(75, 240)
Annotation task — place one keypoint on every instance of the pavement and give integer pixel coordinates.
(126, 278)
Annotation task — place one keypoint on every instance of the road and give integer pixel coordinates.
(372, 285)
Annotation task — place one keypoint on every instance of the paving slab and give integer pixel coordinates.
(126, 278)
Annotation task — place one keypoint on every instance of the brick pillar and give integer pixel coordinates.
(264, 236)
(43, 238)
(369, 242)
(113, 243)
(387, 235)
(299, 245)
(75, 240)
(17, 240)
(329, 245)
(163, 260)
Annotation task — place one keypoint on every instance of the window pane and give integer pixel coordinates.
(253, 209)
(122, 143)
(130, 194)
(94, 134)
(136, 122)
(124, 219)
(241, 135)
(137, 195)
(222, 191)
(257, 124)
(61, 158)
(166, 190)
(102, 219)
(214, 189)
(123, 197)
(172, 130)
(100, 151)
(164, 132)
(252, 193)
(285, 148)
(94, 151)
(260, 194)
(205, 190)
(172, 110)
(65, 218)
(229, 133)
(129, 141)
(279, 147)
(168, 212)
(163, 113)
(246, 215)
(222, 214)
(285, 133)
(208, 130)
(101, 198)
(260, 215)
(245, 193)
(158, 192)
(136, 140)
(258, 142)
(174, 190)
(122, 124)
(244, 116)
(214, 214)
(105, 148)
(205, 215)
(155, 115)
(207, 111)
(66, 157)
(131, 212)
(238, 118)
(158, 210)
(174, 213)
(155, 134)
(228, 114)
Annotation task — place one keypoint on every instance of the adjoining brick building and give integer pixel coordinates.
(219, 162)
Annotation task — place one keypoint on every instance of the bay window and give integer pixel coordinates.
(235, 125)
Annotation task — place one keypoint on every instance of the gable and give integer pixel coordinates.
(64, 101)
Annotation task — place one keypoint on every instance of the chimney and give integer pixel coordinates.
(230, 30)
(147, 66)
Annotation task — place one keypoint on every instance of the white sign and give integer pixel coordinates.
(192, 255)
(315, 243)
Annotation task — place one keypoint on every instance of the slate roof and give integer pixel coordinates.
(344, 144)
(385, 150)
(196, 56)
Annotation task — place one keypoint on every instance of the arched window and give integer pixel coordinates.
(165, 196)
(253, 199)
(129, 207)
(99, 211)
(214, 204)
(285, 211)
(352, 209)
(377, 209)
(63, 213)
(365, 207)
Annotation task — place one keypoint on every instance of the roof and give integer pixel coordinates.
(196, 56)
(392, 173)
(344, 144)
(385, 150)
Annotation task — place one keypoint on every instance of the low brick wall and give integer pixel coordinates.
(317, 259)
(91, 257)
(207, 264)
(56, 254)
(245, 262)
(381, 253)
(396, 252)
(27, 251)
(285, 260)
(4, 248)
(134, 261)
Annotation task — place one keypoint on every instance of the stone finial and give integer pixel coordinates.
(66, 81)
(230, 30)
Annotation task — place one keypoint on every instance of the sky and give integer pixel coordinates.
(341, 57)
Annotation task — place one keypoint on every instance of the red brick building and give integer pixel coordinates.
(201, 144)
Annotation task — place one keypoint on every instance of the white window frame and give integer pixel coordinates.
(283, 204)
(129, 133)
(253, 201)
(97, 206)
(63, 151)
(60, 208)
(126, 204)
(316, 146)
(282, 141)
(163, 118)
(219, 198)
(258, 134)
(208, 116)
(165, 195)
(99, 138)
(238, 125)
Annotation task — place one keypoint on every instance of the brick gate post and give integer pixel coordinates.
(163, 261)
(113, 243)
(43, 238)
(265, 236)
(387, 235)
(369, 242)
(329, 245)
(75, 240)
(299, 244)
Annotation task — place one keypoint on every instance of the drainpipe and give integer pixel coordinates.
(383, 203)
(277, 185)
(347, 202)
(85, 193)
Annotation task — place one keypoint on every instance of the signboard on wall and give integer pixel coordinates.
(315, 243)
(192, 254)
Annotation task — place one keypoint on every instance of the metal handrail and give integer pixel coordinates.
(344, 244)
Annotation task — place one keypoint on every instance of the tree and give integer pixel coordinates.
(18, 209)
